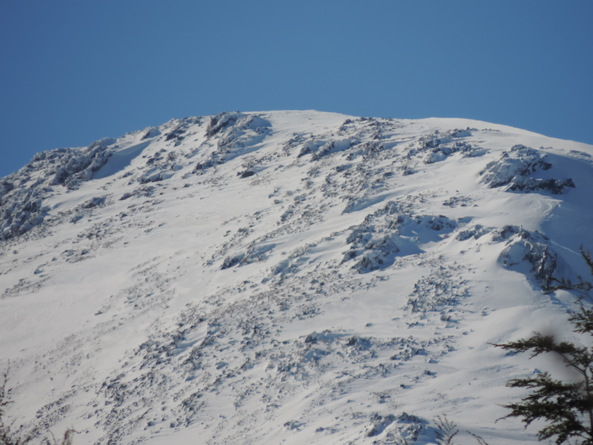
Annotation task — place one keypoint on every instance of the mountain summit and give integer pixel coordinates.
(288, 277)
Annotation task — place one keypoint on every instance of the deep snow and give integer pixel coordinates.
(288, 277)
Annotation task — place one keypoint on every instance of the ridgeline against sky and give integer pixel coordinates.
(289, 277)
(73, 72)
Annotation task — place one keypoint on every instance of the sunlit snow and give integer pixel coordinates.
(288, 277)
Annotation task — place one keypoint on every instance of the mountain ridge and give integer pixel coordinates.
(271, 277)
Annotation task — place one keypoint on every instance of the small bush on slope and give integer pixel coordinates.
(8, 435)
(446, 430)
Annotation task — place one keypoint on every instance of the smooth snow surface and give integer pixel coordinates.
(288, 277)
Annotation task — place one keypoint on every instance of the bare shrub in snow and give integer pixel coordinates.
(9, 435)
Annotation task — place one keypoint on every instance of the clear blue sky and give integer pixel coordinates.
(75, 71)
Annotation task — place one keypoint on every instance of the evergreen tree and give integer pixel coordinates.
(565, 406)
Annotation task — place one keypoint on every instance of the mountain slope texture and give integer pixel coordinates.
(289, 277)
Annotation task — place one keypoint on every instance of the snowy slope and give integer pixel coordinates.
(287, 277)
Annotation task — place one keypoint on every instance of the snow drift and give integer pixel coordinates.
(287, 277)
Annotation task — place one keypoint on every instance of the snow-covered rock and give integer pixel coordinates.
(288, 277)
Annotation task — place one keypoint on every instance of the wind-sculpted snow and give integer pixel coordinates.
(233, 135)
(232, 355)
(391, 232)
(287, 277)
(530, 253)
(20, 211)
(439, 146)
(516, 171)
(440, 290)
(22, 201)
(75, 166)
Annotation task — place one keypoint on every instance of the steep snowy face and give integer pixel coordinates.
(287, 277)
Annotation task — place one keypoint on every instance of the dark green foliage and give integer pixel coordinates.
(583, 321)
(588, 259)
(566, 407)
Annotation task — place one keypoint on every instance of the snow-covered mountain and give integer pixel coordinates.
(288, 277)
